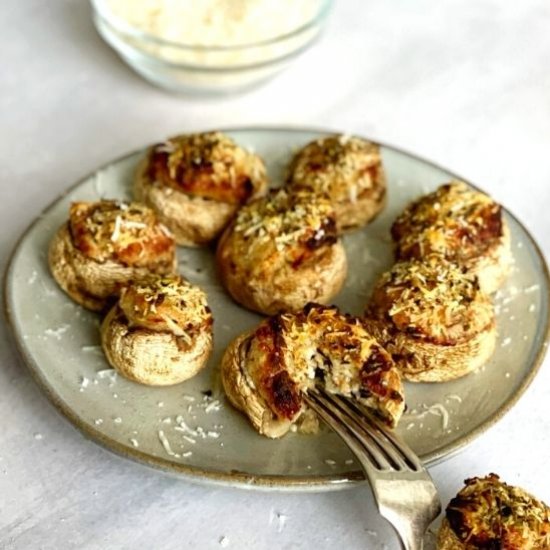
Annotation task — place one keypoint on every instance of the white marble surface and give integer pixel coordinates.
(463, 82)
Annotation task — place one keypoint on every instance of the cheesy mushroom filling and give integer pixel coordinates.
(348, 170)
(266, 372)
(488, 513)
(281, 252)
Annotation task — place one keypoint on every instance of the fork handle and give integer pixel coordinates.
(410, 540)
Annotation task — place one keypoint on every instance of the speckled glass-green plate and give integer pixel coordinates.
(184, 431)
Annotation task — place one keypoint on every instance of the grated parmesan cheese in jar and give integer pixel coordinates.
(209, 45)
(215, 22)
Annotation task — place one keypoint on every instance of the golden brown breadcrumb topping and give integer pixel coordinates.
(489, 514)
(209, 165)
(296, 223)
(431, 299)
(455, 220)
(128, 233)
(168, 304)
(344, 167)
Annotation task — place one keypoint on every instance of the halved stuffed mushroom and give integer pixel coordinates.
(265, 372)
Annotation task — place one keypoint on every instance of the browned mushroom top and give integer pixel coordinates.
(209, 165)
(128, 233)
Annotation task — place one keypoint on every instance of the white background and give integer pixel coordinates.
(465, 83)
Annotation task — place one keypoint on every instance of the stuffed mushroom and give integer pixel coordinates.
(349, 170)
(463, 225)
(433, 318)
(282, 252)
(106, 244)
(488, 513)
(160, 331)
(197, 182)
(266, 371)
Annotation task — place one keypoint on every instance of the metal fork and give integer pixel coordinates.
(404, 491)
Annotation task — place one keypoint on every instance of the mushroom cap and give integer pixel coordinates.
(282, 252)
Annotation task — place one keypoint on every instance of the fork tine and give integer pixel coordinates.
(407, 454)
(367, 456)
(362, 426)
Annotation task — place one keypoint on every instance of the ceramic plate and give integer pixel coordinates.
(190, 429)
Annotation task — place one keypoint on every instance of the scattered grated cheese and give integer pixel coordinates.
(506, 342)
(183, 427)
(188, 397)
(106, 373)
(134, 442)
(38, 436)
(166, 444)
(440, 410)
(133, 225)
(32, 278)
(213, 406)
(455, 397)
(189, 439)
(58, 332)
(98, 421)
(117, 420)
(116, 231)
(223, 542)
(532, 308)
(330, 462)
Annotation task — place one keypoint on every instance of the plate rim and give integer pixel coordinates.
(238, 478)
